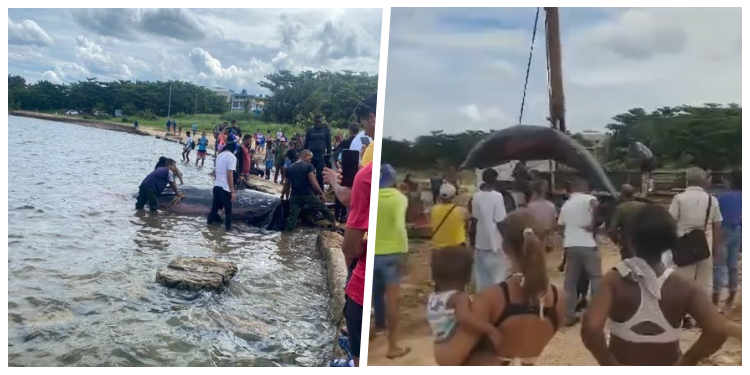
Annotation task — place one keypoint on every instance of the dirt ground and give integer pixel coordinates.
(565, 349)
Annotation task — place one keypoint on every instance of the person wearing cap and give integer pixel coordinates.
(391, 246)
(301, 188)
(488, 212)
(448, 220)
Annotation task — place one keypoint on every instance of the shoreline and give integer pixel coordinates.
(327, 245)
(79, 121)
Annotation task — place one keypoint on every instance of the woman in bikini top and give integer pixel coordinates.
(526, 308)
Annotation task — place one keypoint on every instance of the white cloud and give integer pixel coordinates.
(233, 48)
(210, 69)
(23, 53)
(27, 32)
(461, 75)
(476, 114)
(97, 60)
(51, 77)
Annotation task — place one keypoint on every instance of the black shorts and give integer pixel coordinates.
(353, 315)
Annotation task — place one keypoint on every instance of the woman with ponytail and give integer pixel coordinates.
(525, 308)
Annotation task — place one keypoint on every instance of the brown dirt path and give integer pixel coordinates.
(565, 349)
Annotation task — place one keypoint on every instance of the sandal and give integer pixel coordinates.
(401, 352)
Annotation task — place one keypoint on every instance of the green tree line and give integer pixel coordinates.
(294, 98)
(708, 136)
(134, 98)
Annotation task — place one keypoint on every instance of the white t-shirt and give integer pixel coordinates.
(188, 143)
(357, 143)
(226, 161)
(488, 207)
(576, 213)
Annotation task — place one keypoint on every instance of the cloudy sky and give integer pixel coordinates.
(232, 48)
(458, 69)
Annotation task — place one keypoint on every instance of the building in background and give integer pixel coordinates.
(227, 94)
(242, 101)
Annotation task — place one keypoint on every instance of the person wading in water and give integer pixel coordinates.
(642, 303)
(153, 185)
(301, 188)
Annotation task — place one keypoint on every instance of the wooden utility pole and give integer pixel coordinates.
(554, 70)
(554, 63)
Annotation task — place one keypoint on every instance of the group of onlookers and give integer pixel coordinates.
(662, 283)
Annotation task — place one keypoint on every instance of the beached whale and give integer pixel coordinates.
(251, 207)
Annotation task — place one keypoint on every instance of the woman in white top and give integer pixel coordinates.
(642, 303)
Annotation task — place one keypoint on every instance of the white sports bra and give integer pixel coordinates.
(649, 309)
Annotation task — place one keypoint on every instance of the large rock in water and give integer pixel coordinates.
(196, 274)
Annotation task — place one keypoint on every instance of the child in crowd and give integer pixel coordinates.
(261, 143)
(202, 148)
(449, 307)
(269, 159)
(189, 145)
(195, 128)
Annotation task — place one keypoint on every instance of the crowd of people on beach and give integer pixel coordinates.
(493, 301)
(306, 166)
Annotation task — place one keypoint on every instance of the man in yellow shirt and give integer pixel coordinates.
(391, 246)
(448, 220)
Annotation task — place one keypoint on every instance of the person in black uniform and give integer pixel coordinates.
(318, 141)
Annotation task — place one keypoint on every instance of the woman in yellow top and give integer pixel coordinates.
(448, 220)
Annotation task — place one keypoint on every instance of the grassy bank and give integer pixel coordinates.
(205, 122)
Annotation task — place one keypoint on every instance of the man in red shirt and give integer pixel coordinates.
(355, 247)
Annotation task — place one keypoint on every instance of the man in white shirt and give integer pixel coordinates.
(577, 220)
(689, 209)
(488, 211)
(357, 143)
(224, 194)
